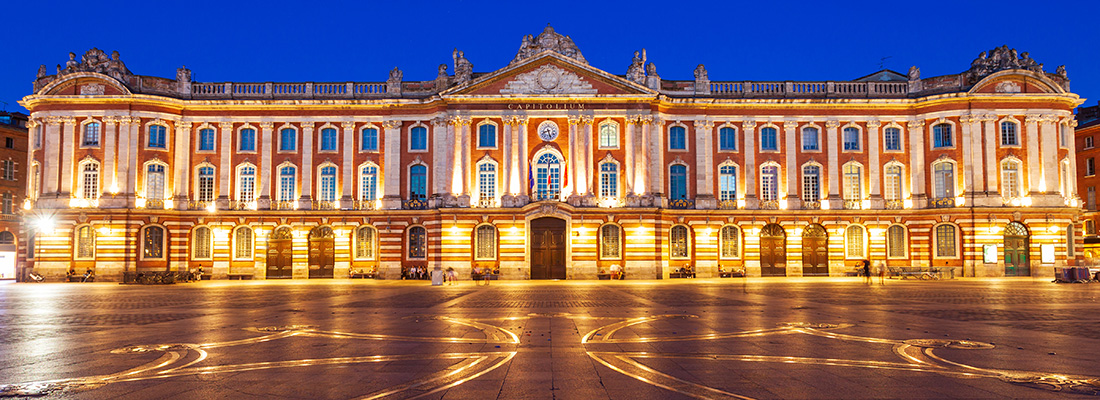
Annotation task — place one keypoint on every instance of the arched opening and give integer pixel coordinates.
(280, 254)
(7, 255)
(1016, 250)
(815, 251)
(547, 248)
(322, 252)
(773, 250)
(548, 171)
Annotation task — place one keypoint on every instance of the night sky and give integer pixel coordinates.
(362, 40)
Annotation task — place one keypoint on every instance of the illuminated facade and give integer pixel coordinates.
(552, 168)
(13, 172)
(1087, 132)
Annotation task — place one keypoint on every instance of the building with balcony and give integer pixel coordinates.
(550, 167)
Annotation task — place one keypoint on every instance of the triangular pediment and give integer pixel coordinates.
(549, 74)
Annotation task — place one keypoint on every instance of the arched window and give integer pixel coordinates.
(242, 243)
(853, 182)
(369, 139)
(200, 243)
(896, 245)
(609, 135)
(769, 140)
(246, 183)
(678, 241)
(418, 242)
(893, 183)
(6, 237)
(487, 182)
(851, 139)
(154, 182)
(89, 180)
(85, 242)
(945, 179)
(247, 140)
(91, 134)
(158, 137)
(288, 176)
(855, 246)
(730, 239)
(810, 141)
(811, 184)
(328, 184)
(548, 177)
(609, 180)
(364, 243)
(727, 182)
(677, 138)
(206, 183)
(152, 246)
(945, 241)
(1010, 179)
(891, 139)
(1009, 136)
(610, 242)
(485, 243)
(769, 183)
(486, 136)
(207, 139)
(368, 182)
(288, 139)
(941, 136)
(677, 182)
(328, 139)
(418, 138)
(418, 182)
(727, 139)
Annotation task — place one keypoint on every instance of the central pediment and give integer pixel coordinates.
(547, 74)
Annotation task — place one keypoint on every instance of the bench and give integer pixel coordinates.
(362, 275)
(916, 272)
(240, 277)
(731, 274)
(680, 275)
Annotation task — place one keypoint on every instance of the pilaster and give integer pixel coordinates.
(225, 171)
(704, 165)
(306, 199)
(68, 147)
(523, 152)
(967, 169)
(348, 175)
(874, 166)
(1034, 161)
(51, 156)
(588, 150)
(439, 159)
(790, 132)
(180, 151)
(832, 143)
(110, 142)
(391, 170)
(991, 162)
(1049, 143)
(628, 155)
(976, 150)
(751, 201)
(916, 163)
(657, 161)
(504, 174)
(265, 148)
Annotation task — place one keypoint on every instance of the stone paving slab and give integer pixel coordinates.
(720, 338)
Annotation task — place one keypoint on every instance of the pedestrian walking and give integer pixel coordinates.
(451, 276)
(867, 271)
(882, 273)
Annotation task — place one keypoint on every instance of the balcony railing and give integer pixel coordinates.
(198, 205)
(242, 205)
(942, 202)
(274, 90)
(154, 204)
(284, 205)
(364, 204)
(853, 204)
(769, 205)
(325, 205)
(811, 205)
(895, 204)
(809, 89)
(727, 205)
(488, 202)
(415, 204)
(681, 204)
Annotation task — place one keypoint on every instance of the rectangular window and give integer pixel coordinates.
(157, 137)
(945, 241)
(727, 139)
(1090, 227)
(418, 139)
(288, 140)
(810, 140)
(7, 170)
(206, 184)
(609, 177)
(287, 178)
(768, 140)
(6, 208)
(328, 139)
(486, 243)
(207, 139)
(369, 139)
(609, 135)
(609, 242)
(769, 181)
(1090, 166)
(851, 139)
(892, 139)
(487, 182)
(367, 179)
(487, 136)
(893, 183)
(811, 184)
(246, 184)
(248, 140)
(91, 134)
(1090, 199)
(1088, 142)
(9, 143)
(677, 138)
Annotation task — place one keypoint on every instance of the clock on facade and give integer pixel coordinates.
(548, 130)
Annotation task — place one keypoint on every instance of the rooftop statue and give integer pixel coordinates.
(1000, 59)
(548, 40)
(636, 72)
(464, 70)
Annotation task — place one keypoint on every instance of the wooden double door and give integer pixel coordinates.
(322, 252)
(1016, 250)
(548, 248)
(280, 254)
(773, 250)
(815, 251)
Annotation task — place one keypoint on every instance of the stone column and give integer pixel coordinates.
(1048, 132)
(656, 158)
(874, 166)
(460, 179)
(571, 164)
(976, 156)
(68, 147)
(467, 163)
(110, 142)
(523, 152)
(132, 160)
(1034, 162)
(790, 133)
(306, 199)
(51, 156)
(992, 164)
(348, 175)
(32, 191)
(628, 155)
(832, 142)
(968, 165)
(1072, 126)
(916, 163)
(704, 165)
(391, 170)
(588, 150)
(749, 133)
(265, 148)
(181, 150)
(439, 159)
(225, 171)
(505, 172)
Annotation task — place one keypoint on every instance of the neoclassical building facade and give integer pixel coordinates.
(549, 168)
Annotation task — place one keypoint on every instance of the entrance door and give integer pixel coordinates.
(547, 248)
(322, 252)
(280, 254)
(1016, 250)
(773, 251)
(815, 251)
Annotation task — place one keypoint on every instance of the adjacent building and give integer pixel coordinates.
(1088, 131)
(13, 176)
(549, 167)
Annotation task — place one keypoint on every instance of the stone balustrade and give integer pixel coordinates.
(295, 90)
(808, 89)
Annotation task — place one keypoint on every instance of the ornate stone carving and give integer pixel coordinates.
(636, 72)
(999, 59)
(92, 89)
(548, 40)
(41, 71)
(916, 125)
(548, 79)
(1007, 87)
(391, 124)
(873, 124)
(464, 70)
(832, 124)
(183, 75)
(393, 84)
(439, 122)
(704, 124)
(702, 81)
(748, 124)
(348, 124)
(652, 80)
(442, 80)
(267, 126)
(914, 73)
(1061, 71)
(789, 125)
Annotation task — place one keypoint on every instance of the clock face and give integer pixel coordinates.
(548, 130)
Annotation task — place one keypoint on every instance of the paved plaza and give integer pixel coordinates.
(758, 338)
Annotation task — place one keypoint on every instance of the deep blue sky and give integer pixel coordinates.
(362, 40)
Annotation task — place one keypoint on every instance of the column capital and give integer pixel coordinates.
(68, 120)
(790, 125)
(53, 120)
(988, 117)
(522, 120)
(347, 125)
(439, 122)
(267, 126)
(750, 124)
(111, 120)
(874, 124)
(307, 125)
(1033, 118)
(574, 120)
(185, 125)
(915, 125)
(832, 124)
(32, 123)
(392, 124)
(703, 124)
(586, 119)
(1072, 122)
(225, 125)
(126, 120)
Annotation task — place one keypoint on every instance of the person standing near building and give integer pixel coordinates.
(867, 271)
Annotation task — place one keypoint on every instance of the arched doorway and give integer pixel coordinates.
(322, 252)
(773, 250)
(1016, 250)
(547, 248)
(815, 251)
(280, 254)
